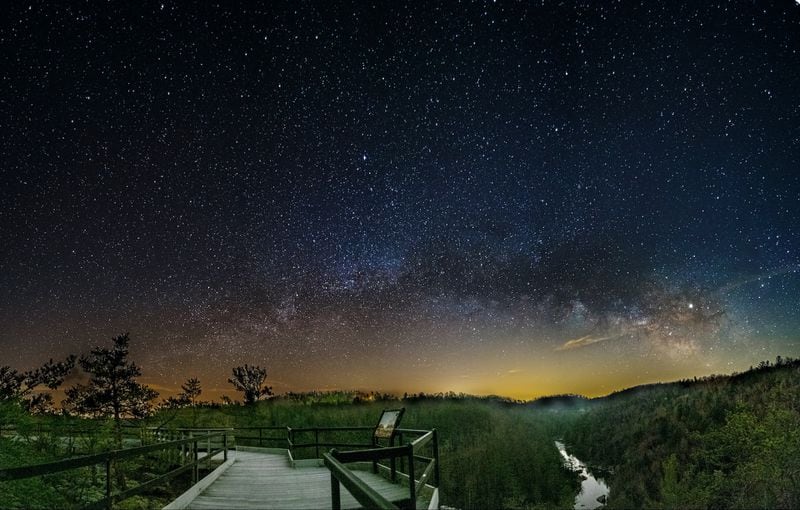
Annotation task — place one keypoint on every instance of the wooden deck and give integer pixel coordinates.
(267, 479)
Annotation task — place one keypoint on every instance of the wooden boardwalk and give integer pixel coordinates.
(267, 480)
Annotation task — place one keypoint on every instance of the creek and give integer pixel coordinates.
(594, 490)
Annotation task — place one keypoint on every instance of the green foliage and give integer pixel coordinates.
(28, 493)
(729, 442)
(493, 455)
(670, 488)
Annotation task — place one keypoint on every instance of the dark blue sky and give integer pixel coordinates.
(307, 184)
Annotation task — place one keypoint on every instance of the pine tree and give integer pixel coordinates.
(112, 390)
(190, 390)
(20, 387)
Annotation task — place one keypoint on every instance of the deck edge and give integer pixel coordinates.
(259, 449)
(182, 501)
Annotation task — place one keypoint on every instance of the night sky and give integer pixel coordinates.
(519, 198)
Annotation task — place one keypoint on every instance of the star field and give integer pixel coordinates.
(494, 197)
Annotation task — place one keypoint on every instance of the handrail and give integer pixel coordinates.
(422, 440)
(332, 429)
(46, 468)
(21, 472)
(363, 493)
(332, 445)
(412, 431)
(390, 452)
(408, 454)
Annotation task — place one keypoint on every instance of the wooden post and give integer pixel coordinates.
(436, 457)
(393, 462)
(412, 483)
(109, 503)
(195, 473)
(208, 448)
(402, 459)
(260, 441)
(336, 498)
(316, 440)
(225, 446)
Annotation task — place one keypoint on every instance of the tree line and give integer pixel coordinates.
(112, 390)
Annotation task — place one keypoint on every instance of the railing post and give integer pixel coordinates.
(412, 483)
(260, 441)
(195, 471)
(316, 440)
(393, 462)
(208, 448)
(436, 457)
(109, 503)
(336, 498)
(402, 459)
(225, 446)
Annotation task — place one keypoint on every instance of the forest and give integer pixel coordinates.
(716, 442)
(719, 441)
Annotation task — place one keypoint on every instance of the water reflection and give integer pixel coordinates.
(594, 491)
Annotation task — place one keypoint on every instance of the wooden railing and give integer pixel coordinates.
(363, 493)
(409, 452)
(188, 459)
(403, 459)
(293, 439)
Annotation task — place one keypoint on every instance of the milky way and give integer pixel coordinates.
(518, 198)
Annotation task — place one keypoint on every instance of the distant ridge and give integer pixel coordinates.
(573, 401)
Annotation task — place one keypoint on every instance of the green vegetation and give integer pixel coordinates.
(731, 442)
(494, 454)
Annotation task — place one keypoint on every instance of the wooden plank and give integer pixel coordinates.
(365, 494)
(434, 502)
(265, 480)
(185, 498)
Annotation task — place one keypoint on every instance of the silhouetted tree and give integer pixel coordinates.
(112, 389)
(250, 380)
(190, 391)
(20, 386)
